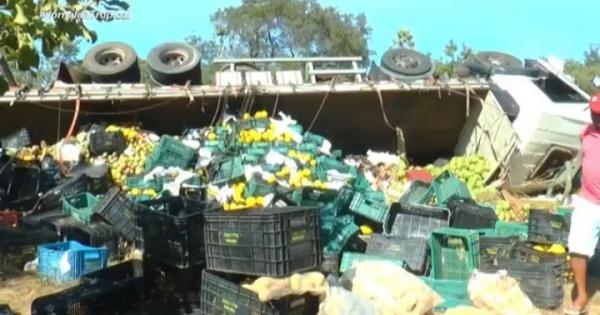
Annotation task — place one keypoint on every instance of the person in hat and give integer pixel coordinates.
(585, 220)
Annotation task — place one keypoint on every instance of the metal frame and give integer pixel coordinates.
(309, 68)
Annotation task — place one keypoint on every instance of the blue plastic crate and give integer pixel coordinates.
(67, 261)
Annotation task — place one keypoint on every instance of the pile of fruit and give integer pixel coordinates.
(131, 162)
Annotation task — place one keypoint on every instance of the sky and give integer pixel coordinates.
(526, 29)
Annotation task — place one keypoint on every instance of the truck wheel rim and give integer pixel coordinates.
(175, 57)
(110, 57)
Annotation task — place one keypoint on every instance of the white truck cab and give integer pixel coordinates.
(549, 113)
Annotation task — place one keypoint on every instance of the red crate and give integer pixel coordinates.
(9, 217)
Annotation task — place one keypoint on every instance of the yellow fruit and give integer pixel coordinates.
(226, 207)
(246, 116)
(212, 136)
(285, 171)
(260, 201)
(136, 191)
(292, 153)
(557, 249)
(150, 192)
(366, 230)
(271, 179)
(251, 202)
(317, 183)
(306, 172)
(313, 162)
(261, 114)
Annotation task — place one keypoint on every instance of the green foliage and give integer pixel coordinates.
(404, 39)
(281, 28)
(448, 62)
(209, 50)
(25, 29)
(584, 72)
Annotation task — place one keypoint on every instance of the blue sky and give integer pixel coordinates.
(530, 28)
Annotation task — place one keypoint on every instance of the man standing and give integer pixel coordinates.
(585, 220)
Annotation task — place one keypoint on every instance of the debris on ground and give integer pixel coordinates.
(404, 236)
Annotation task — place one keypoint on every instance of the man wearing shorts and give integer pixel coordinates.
(585, 220)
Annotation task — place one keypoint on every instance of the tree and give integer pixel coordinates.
(45, 73)
(447, 63)
(24, 26)
(404, 39)
(209, 50)
(584, 72)
(283, 28)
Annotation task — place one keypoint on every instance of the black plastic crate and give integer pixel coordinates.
(220, 296)
(331, 263)
(548, 228)
(467, 214)
(113, 290)
(5, 310)
(107, 142)
(16, 140)
(178, 287)
(263, 242)
(26, 183)
(413, 251)
(524, 251)
(543, 283)
(99, 179)
(37, 220)
(97, 234)
(492, 248)
(414, 220)
(172, 229)
(72, 186)
(119, 211)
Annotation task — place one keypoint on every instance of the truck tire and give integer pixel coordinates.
(175, 63)
(498, 60)
(406, 62)
(112, 62)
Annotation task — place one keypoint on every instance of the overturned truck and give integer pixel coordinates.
(525, 118)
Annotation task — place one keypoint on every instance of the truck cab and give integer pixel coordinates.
(548, 112)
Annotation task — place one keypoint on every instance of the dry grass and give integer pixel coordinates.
(19, 289)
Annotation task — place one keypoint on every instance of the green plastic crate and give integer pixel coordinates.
(454, 253)
(375, 211)
(253, 123)
(351, 258)
(446, 186)
(486, 232)
(215, 145)
(258, 187)
(454, 292)
(170, 152)
(296, 128)
(504, 228)
(374, 195)
(80, 206)
(310, 148)
(417, 193)
(228, 171)
(138, 182)
(313, 138)
(310, 196)
(343, 230)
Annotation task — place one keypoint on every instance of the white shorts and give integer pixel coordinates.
(585, 227)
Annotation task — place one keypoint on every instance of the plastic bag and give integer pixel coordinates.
(499, 294)
(343, 302)
(392, 289)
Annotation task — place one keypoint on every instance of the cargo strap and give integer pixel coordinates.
(322, 103)
(399, 133)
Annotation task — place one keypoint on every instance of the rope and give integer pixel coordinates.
(322, 104)
(275, 105)
(468, 98)
(94, 113)
(399, 133)
(212, 122)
